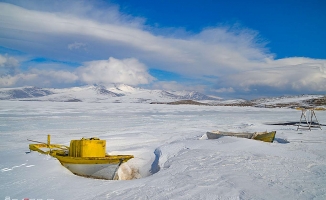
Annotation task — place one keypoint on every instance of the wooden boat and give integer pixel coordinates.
(85, 157)
(262, 136)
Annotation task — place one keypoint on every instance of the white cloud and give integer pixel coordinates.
(17, 80)
(59, 76)
(8, 65)
(129, 71)
(299, 74)
(224, 90)
(77, 45)
(169, 85)
(175, 86)
(35, 77)
(8, 62)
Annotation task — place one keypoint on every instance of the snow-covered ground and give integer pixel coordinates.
(173, 157)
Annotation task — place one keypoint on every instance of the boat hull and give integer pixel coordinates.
(265, 136)
(218, 134)
(262, 136)
(98, 171)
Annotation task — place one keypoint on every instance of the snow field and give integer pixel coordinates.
(173, 158)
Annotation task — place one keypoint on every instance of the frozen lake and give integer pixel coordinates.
(173, 158)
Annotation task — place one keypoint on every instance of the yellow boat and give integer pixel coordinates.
(262, 136)
(85, 157)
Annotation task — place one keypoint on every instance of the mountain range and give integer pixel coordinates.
(121, 93)
(99, 93)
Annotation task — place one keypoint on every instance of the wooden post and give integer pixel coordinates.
(49, 140)
(311, 114)
(314, 114)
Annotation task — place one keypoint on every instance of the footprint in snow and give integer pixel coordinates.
(17, 166)
(5, 169)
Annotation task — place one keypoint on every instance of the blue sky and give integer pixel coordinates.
(226, 48)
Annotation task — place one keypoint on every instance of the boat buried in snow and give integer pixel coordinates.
(85, 157)
(262, 136)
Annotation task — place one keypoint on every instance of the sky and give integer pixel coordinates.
(233, 48)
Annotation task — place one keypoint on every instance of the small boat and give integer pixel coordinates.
(262, 136)
(85, 157)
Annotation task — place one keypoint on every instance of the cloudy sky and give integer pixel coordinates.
(230, 48)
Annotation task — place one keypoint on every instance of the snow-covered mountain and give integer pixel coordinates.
(99, 93)
(121, 93)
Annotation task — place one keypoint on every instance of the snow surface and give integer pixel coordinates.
(173, 157)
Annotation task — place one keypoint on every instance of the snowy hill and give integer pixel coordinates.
(287, 101)
(316, 101)
(193, 95)
(98, 93)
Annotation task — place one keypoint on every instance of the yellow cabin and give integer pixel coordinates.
(87, 147)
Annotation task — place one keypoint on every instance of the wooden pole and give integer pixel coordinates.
(311, 113)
